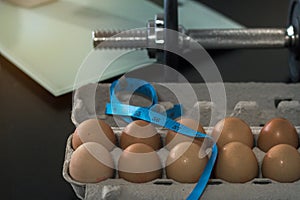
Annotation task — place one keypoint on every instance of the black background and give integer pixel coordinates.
(34, 125)
(253, 65)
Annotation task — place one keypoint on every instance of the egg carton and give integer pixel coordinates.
(116, 188)
(255, 103)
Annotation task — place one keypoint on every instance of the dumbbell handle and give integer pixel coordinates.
(208, 38)
(242, 38)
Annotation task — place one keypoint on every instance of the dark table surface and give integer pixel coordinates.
(34, 125)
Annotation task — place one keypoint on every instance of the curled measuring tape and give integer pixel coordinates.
(127, 112)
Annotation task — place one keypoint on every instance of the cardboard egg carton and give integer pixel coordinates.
(255, 103)
(115, 188)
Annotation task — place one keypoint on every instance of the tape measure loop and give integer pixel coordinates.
(163, 118)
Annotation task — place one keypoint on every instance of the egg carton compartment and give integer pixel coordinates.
(258, 188)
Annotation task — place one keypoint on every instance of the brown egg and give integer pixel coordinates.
(173, 138)
(185, 163)
(94, 130)
(91, 163)
(140, 131)
(232, 129)
(139, 163)
(282, 163)
(277, 131)
(236, 163)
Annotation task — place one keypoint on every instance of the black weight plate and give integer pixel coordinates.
(294, 57)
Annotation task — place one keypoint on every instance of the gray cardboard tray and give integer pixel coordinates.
(258, 188)
(255, 103)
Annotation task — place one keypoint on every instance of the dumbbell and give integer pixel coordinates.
(211, 38)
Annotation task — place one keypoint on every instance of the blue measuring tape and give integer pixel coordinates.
(127, 112)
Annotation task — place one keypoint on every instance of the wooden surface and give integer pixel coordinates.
(34, 126)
